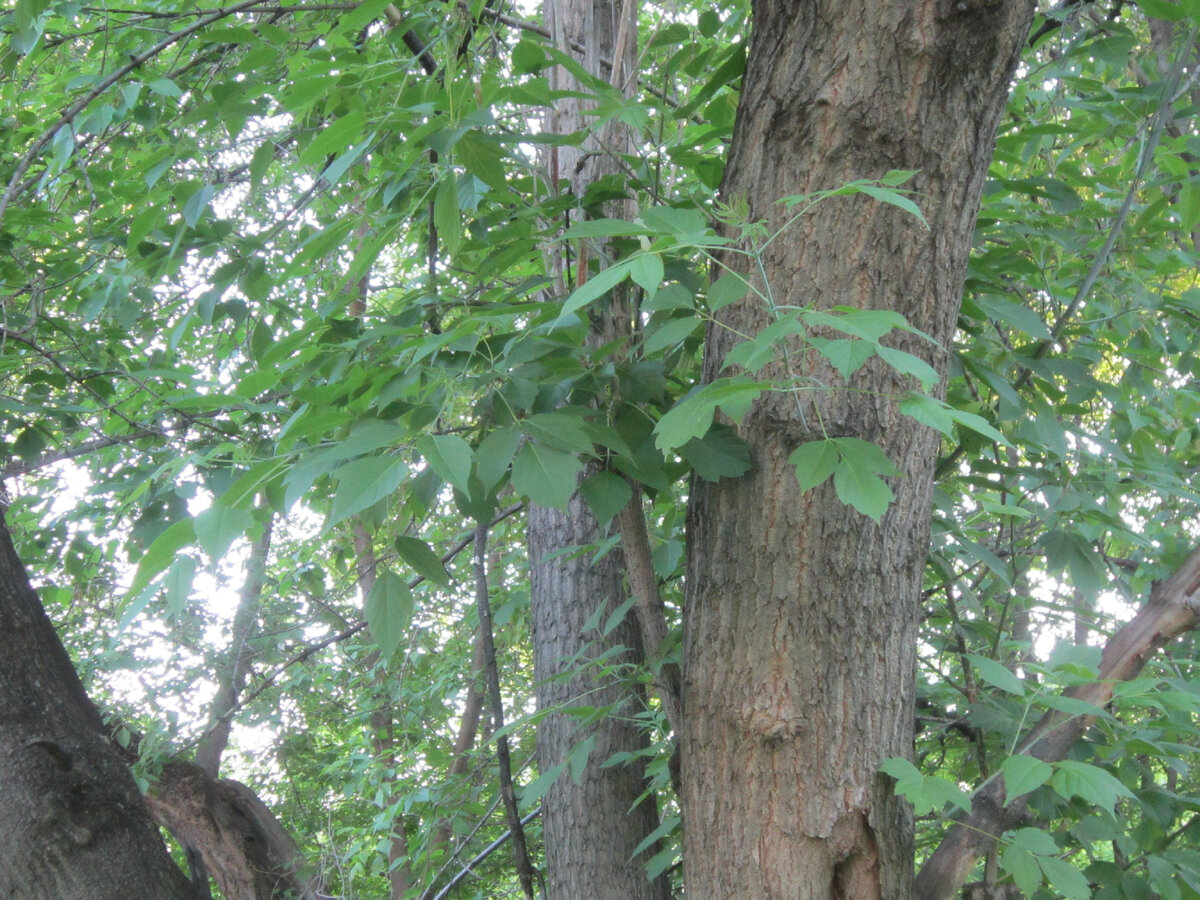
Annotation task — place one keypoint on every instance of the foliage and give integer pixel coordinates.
(266, 260)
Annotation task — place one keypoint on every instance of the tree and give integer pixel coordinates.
(278, 314)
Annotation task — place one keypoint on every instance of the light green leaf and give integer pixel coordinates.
(533, 792)
(196, 204)
(445, 213)
(692, 416)
(162, 553)
(1065, 878)
(927, 793)
(895, 198)
(545, 475)
(907, 364)
(364, 483)
(815, 461)
(846, 356)
(1023, 867)
(996, 674)
(178, 584)
(562, 430)
(646, 270)
(1023, 774)
(449, 456)
(219, 526)
(604, 228)
(388, 610)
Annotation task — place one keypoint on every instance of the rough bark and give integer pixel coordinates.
(801, 613)
(590, 826)
(74, 824)
(241, 844)
(1171, 611)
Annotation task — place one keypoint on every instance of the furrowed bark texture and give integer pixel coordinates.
(801, 613)
(74, 824)
(591, 827)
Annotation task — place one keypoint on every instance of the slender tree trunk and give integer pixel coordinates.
(591, 825)
(801, 613)
(74, 824)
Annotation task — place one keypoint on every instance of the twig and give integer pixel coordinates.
(484, 854)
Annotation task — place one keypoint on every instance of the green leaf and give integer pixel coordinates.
(162, 553)
(693, 415)
(1023, 774)
(533, 792)
(196, 204)
(1023, 867)
(424, 561)
(846, 356)
(449, 456)
(219, 526)
(599, 285)
(927, 793)
(996, 674)
(334, 139)
(895, 198)
(389, 610)
(646, 270)
(606, 494)
(671, 333)
(907, 364)
(446, 215)
(545, 475)
(729, 288)
(364, 483)
(1065, 878)
(178, 584)
(815, 461)
(1091, 783)
(562, 430)
(494, 454)
(718, 454)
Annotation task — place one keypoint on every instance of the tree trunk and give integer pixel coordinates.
(74, 824)
(801, 613)
(590, 826)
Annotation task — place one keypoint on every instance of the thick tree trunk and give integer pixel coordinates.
(591, 826)
(73, 822)
(800, 620)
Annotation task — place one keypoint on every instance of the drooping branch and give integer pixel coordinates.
(1172, 610)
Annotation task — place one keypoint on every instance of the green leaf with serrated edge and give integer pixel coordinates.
(545, 475)
(1091, 783)
(996, 674)
(926, 792)
(729, 288)
(364, 483)
(1033, 840)
(671, 333)
(1022, 866)
(446, 215)
(1067, 880)
(178, 584)
(907, 364)
(673, 296)
(449, 456)
(692, 416)
(219, 526)
(1023, 774)
(162, 553)
(928, 411)
(562, 430)
(862, 488)
(423, 559)
(388, 610)
(646, 270)
(606, 494)
(494, 454)
(718, 454)
(595, 287)
(846, 356)
(815, 461)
